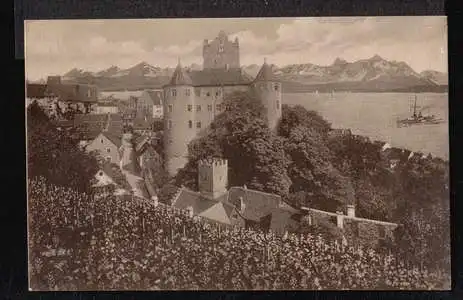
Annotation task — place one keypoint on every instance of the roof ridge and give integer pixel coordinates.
(256, 191)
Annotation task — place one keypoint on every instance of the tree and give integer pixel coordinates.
(311, 170)
(55, 154)
(241, 135)
(294, 116)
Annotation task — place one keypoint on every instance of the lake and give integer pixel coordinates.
(375, 114)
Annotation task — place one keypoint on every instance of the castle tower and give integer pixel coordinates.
(179, 119)
(268, 89)
(213, 177)
(221, 53)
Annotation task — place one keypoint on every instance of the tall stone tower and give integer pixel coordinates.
(221, 53)
(213, 177)
(268, 89)
(179, 118)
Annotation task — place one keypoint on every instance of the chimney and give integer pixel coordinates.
(351, 210)
(340, 219)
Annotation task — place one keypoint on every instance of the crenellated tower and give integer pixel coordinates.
(221, 53)
(268, 89)
(213, 177)
(179, 118)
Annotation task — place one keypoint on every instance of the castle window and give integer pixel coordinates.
(198, 107)
(170, 107)
(190, 124)
(278, 104)
(190, 107)
(209, 107)
(198, 124)
(187, 92)
(174, 92)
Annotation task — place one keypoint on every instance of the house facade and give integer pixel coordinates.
(56, 97)
(107, 145)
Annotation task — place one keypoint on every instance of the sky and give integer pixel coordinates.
(53, 47)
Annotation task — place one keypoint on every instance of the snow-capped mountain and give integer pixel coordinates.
(375, 73)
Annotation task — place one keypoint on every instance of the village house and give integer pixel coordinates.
(237, 206)
(56, 97)
(107, 146)
(149, 103)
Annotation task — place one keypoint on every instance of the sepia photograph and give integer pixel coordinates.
(238, 154)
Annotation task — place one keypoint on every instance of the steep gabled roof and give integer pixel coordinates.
(155, 96)
(180, 77)
(113, 137)
(265, 74)
(257, 204)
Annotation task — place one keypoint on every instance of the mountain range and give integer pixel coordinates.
(374, 74)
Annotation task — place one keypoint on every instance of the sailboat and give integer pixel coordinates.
(417, 117)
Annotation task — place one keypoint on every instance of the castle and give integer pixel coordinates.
(193, 99)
